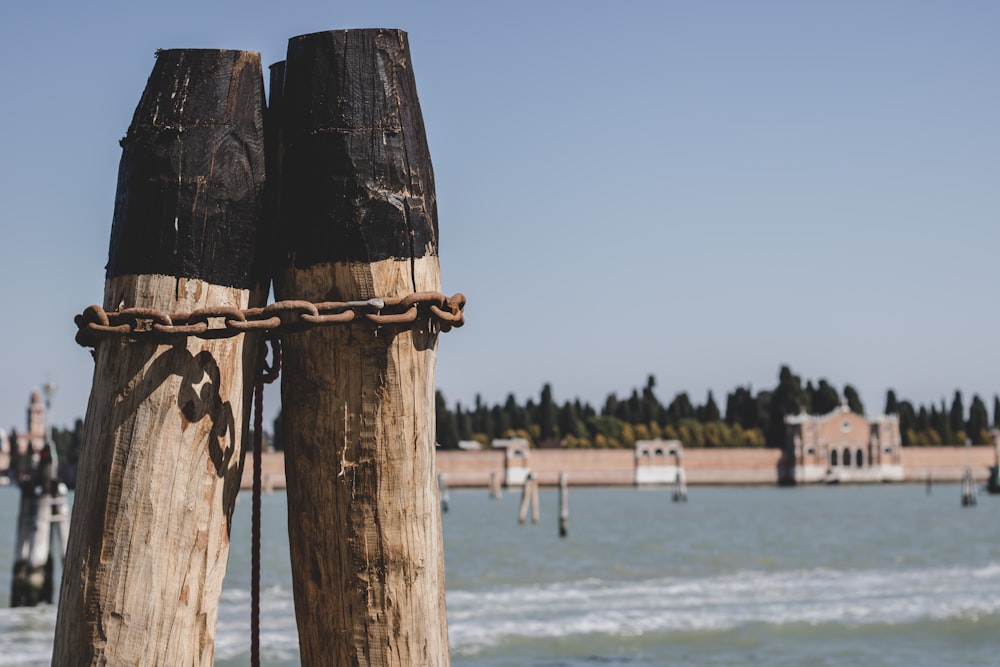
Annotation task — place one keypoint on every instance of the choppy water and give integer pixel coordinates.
(827, 576)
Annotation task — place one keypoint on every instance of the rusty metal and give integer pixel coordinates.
(277, 319)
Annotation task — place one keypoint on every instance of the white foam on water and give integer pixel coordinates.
(890, 596)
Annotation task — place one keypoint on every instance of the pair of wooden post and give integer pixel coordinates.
(42, 524)
(529, 499)
(351, 193)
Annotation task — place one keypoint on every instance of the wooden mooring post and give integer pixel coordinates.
(41, 533)
(496, 488)
(358, 221)
(443, 491)
(563, 504)
(163, 437)
(529, 499)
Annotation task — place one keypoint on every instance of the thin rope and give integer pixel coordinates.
(265, 375)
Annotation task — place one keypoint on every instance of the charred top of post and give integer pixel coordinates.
(357, 182)
(191, 177)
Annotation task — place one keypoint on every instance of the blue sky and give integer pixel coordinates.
(702, 191)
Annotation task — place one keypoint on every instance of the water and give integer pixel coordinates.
(882, 575)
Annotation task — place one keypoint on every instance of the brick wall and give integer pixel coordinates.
(702, 466)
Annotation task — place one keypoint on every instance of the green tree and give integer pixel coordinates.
(680, 408)
(741, 408)
(941, 423)
(907, 420)
(517, 416)
(996, 411)
(447, 428)
(891, 404)
(956, 416)
(651, 407)
(278, 435)
(68, 443)
(569, 421)
(826, 398)
(710, 412)
(548, 414)
(854, 403)
(788, 398)
(977, 428)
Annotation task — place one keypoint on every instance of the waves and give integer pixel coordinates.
(793, 611)
(799, 598)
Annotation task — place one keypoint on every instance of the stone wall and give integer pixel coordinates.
(617, 466)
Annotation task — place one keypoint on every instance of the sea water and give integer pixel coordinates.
(850, 575)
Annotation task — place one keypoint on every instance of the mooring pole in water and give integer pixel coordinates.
(443, 491)
(968, 489)
(495, 490)
(522, 511)
(358, 221)
(31, 582)
(160, 465)
(563, 504)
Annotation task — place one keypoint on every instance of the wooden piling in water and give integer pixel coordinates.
(163, 437)
(522, 510)
(529, 499)
(358, 220)
(443, 491)
(563, 504)
(496, 492)
(32, 580)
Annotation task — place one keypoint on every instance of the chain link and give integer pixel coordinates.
(95, 324)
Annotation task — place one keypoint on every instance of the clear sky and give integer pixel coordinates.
(698, 190)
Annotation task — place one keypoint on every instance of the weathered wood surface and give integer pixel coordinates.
(358, 220)
(165, 425)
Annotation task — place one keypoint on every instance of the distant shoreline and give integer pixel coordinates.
(703, 467)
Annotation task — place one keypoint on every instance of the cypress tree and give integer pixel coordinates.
(943, 425)
(711, 411)
(548, 414)
(651, 407)
(446, 428)
(891, 404)
(826, 399)
(996, 411)
(854, 403)
(956, 417)
(680, 408)
(978, 425)
(907, 420)
(788, 398)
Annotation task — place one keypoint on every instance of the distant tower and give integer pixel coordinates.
(34, 440)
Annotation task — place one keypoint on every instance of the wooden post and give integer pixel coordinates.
(358, 220)
(443, 491)
(563, 504)
(31, 583)
(534, 499)
(165, 425)
(522, 512)
(495, 490)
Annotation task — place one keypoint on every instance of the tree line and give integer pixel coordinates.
(750, 419)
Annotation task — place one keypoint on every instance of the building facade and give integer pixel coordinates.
(841, 446)
(659, 462)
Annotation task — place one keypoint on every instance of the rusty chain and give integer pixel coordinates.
(96, 324)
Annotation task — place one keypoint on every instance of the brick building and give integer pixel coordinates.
(841, 446)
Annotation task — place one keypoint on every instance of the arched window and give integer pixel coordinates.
(859, 459)
(847, 457)
(833, 457)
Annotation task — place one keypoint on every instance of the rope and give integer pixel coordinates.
(265, 375)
